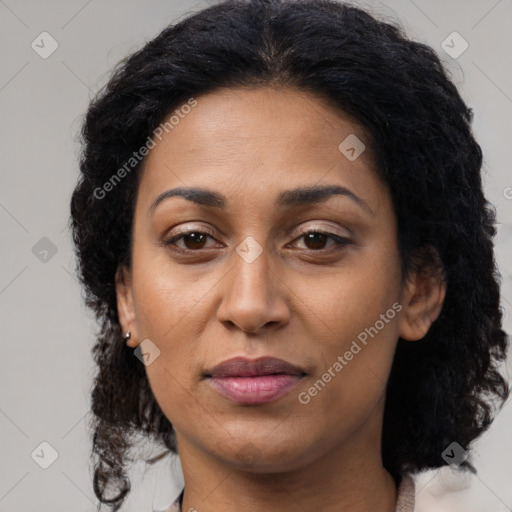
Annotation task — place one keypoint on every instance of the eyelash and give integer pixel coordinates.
(340, 242)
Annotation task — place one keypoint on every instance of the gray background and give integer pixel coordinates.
(46, 372)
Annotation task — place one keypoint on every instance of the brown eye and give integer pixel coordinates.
(192, 240)
(317, 240)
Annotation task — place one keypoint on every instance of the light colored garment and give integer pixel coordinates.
(404, 502)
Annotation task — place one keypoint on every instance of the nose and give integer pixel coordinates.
(253, 296)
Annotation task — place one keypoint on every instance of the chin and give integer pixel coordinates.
(265, 457)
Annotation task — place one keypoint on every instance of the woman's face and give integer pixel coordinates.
(258, 283)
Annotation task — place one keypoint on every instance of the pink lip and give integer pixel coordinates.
(254, 381)
(255, 390)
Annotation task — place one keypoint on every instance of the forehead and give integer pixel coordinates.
(240, 139)
(226, 119)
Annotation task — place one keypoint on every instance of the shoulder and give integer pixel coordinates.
(451, 490)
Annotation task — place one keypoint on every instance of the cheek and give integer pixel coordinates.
(352, 379)
(163, 307)
(165, 295)
(352, 299)
(359, 310)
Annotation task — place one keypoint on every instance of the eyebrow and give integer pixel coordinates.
(288, 198)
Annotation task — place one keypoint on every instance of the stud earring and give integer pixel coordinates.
(128, 335)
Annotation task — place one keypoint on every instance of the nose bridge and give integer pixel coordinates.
(251, 272)
(250, 297)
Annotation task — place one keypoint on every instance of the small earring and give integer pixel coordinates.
(128, 335)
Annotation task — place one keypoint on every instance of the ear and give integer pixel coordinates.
(125, 307)
(423, 296)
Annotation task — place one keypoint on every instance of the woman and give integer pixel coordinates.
(281, 228)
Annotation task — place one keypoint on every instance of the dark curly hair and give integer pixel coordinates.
(442, 388)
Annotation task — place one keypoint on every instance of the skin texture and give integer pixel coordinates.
(291, 302)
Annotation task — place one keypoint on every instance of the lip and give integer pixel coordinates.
(245, 367)
(254, 381)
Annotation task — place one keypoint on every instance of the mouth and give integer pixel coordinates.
(258, 381)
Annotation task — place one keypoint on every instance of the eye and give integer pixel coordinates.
(315, 240)
(193, 240)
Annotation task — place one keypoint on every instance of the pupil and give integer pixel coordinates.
(314, 237)
(196, 238)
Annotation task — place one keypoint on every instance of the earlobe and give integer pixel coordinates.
(125, 306)
(423, 299)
